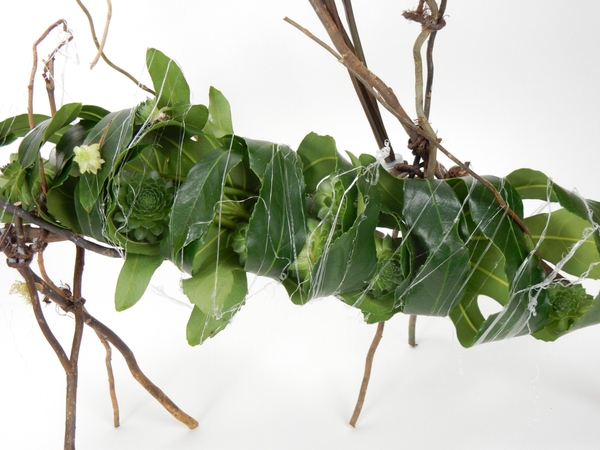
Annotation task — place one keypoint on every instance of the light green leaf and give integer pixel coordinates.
(216, 285)
(169, 83)
(320, 159)
(134, 279)
(559, 234)
(219, 115)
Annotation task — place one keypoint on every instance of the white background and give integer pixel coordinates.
(516, 86)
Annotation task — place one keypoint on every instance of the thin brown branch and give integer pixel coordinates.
(29, 278)
(35, 64)
(128, 355)
(111, 380)
(104, 34)
(367, 375)
(104, 57)
(389, 100)
(75, 238)
(73, 372)
(43, 273)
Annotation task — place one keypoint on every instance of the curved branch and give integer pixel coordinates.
(106, 60)
(69, 235)
(118, 343)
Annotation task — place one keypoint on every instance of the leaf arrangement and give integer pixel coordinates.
(169, 180)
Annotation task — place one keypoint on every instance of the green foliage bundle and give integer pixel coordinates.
(169, 180)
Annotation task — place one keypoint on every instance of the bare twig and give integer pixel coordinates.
(389, 100)
(118, 343)
(73, 371)
(367, 375)
(75, 238)
(35, 63)
(111, 380)
(104, 34)
(106, 60)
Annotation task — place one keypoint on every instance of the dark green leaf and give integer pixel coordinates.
(63, 117)
(198, 198)
(277, 228)
(432, 212)
(15, 127)
(115, 131)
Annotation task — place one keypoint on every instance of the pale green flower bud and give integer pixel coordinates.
(88, 158)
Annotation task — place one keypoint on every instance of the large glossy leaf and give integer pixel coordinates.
(15, 127)
(432, 211)
(527, 307)
(197, 200)
(169, 83)
(134, 278)
(277, 228)
(115, 131)
(219, 122)
(532, 184)
(561, 232)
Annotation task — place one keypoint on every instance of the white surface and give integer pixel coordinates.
(516, 86)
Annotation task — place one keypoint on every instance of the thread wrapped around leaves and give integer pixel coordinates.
(169, 180)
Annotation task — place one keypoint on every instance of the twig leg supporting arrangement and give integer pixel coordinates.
(118, 343)
(367, 375)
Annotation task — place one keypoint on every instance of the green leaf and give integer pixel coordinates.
(219, 115)
(211, 288)
(60, 202)
(277, 228)
(560, 232)
(46, 131)
(320, 159)
(431, 211)
(117, 130)
(532, 184)
(194, 119)
(29, 149)
(348, 263)
(527, 308)
(92, 113)
(218, 293)
(63, 117)
(198, 198)
(169, 83)
(134, 279)
(15, 127)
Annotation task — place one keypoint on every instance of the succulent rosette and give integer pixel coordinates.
(143, 202)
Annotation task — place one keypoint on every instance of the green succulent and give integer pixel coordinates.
(329, 197)
(318, 235)
(22, 185)
(144, 202)
(238, 241)
(568, 302)
(388, 272)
